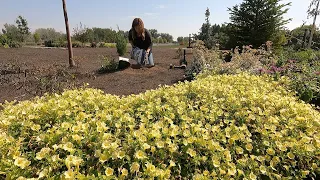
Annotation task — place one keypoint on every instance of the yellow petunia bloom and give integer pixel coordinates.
(43, 153)
(216, 162)
(191, 152)
(239, 150)
(69, 174)
(150, 167)
(227, 155)
(22, 162)
(206, 172)
(135, 167)
(140, 155)
(109, 171)
(160, 144)
(263, 169)
(270, 151)
(172, 164)
(73, 160)
(103, 158)
(249, 147)
(124, 172)
(121, 154)
(77, 137)
(43, 173)
(252, 176)
(146, 146)
(290, 155)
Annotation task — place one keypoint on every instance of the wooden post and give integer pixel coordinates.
(313, 25)
(71, 61)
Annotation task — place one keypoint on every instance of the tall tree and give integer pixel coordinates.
(314, 12)
(12, 32)
(36, 37)
(154, 33)
(83, 34)
(255, 22)
(24, 30)
(180, 40)
(205, 29)
(71, 61)
(205, 33)
(49, 34)
(167, 37)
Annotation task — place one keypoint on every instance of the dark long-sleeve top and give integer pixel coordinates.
(139, 42)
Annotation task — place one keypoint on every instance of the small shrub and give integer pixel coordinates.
(62, 42)
(76, 44)
(4, 40)
(203, 60)
(6, 46)
(108, 65)
(179, 53)
(93, 45)
(14, 44)
(121, 44)
(48, 43)
(101, 44)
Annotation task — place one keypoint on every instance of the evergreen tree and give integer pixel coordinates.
(24, 30)
(205, 29)
(206, 32)
(254, 22)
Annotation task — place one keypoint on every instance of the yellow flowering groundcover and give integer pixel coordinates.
(218, 127)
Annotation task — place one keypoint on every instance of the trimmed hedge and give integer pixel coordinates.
(219, 127)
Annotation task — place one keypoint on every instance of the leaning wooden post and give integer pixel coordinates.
(71, 61)
(313, 25)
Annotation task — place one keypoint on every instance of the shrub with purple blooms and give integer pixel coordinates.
(302, 67)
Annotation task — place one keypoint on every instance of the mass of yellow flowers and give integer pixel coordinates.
(216, 127)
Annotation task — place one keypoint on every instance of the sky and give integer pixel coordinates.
(178, 18)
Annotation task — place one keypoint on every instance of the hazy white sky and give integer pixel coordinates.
(178, 18)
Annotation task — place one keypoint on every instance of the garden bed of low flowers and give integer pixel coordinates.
(217, 127)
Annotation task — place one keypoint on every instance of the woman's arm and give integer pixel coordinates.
(130, 38)
(149, 40)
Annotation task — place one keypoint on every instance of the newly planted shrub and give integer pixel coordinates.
(218, 127)
(108, 65)
(121, 44)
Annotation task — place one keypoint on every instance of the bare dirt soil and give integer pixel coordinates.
(30, 72)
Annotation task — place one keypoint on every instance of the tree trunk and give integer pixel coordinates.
(71, 61)
(313, 25)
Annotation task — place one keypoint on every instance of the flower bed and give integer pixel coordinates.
(217, 127)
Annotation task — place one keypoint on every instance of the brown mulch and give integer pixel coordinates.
(28, 62)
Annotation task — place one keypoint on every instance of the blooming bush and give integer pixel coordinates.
(203, 60)
(212, 61)
(218, 127)
(302, 67)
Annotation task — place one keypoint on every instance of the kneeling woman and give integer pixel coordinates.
(141, 42)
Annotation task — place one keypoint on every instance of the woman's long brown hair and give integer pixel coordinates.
(137, 22)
